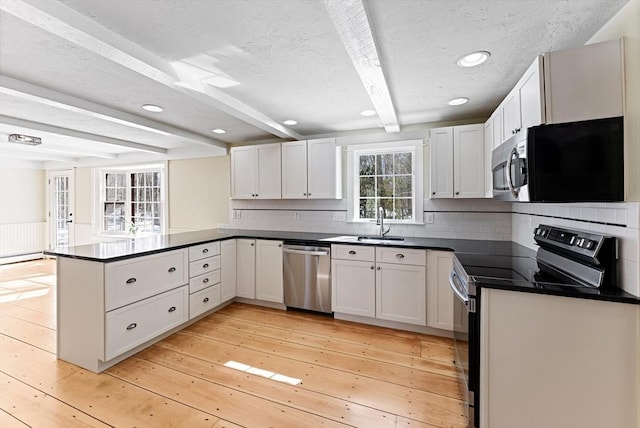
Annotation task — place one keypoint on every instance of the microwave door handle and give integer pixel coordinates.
(513, 155)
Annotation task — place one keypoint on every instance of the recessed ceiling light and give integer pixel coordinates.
(458, 101)
(152, 107)
(473, 59)
(219, 131)
(368, 112)
(290, 122)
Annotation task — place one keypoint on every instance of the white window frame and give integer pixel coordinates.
(128, 170)
(353, 177)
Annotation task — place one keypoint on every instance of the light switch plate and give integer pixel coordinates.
(296, 215)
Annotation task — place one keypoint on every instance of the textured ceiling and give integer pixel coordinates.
(245, 66)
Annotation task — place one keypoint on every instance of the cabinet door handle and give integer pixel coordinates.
(308, 194)
(206, 265)
(399, 256)
(132, 326)
(279, 245)
(252, 244)
(352, 252)
(378, 268)
(304, 194)
(205, 300)
(372, 267)
(172, 269)
(131, 280)
(204, 281)
(172, 309)
(433, 193)
(205, 251)
(457, 193)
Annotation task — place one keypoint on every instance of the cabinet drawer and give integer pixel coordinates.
(204, 300)
(129, 281)
(199, 282)
(403, 256)
(353, 252)
(203, 266)
(202, 251)
(140, 322)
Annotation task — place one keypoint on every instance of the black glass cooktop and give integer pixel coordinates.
(521, 273)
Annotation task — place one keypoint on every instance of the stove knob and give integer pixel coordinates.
(589, 244)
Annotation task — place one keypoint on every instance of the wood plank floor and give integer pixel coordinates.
(352, 374)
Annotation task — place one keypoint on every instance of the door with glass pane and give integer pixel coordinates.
(61, 207)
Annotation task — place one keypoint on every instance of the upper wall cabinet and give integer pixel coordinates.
(457, 162)
(564, 86)
(311, 169)
(256, 172)
(584, 83)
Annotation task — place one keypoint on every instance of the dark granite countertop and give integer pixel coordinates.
(135, 247)
(492, 253)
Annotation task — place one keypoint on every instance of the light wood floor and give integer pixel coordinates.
(352, 375)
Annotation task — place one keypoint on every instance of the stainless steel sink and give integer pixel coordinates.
(369, 239)
(380, 238)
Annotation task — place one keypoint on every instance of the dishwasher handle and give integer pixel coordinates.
(305, 252)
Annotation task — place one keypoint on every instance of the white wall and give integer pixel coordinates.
(198, 193)
(23, 211)
(22, 195)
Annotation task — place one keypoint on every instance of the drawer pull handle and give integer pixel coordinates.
(352, 252)
(205, 300)
(206, 265)
(205, 251)
(132, 326)
(204, 281)
(172, 309)
(131, 280)
(172, 269)
(400, 256)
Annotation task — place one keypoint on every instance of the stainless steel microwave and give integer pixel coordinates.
(564, 162)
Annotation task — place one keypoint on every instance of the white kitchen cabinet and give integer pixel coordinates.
(524, 106)
(259, 270)
(580, 364)
(228, 270)
(137, 323)
(440, 297)
(488, 147)
(204, 278)
(400, 293)
(311, 169)
(457, 162)
(387, 283)
(246, 268)
(353, 287)
(256, 172)
(269, 276)
(564, 86)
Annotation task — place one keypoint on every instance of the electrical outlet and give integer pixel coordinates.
(430, 218)
(237, 214)
(296, 215)
(340, 216)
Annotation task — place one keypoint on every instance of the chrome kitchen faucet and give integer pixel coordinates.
(381, 222)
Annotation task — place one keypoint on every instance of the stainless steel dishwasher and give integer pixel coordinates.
(307, 277)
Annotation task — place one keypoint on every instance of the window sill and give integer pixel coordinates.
(387, 223)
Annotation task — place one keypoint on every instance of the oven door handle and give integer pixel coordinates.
(453, 278)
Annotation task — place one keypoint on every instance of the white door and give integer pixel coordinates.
(401, 293)
(294, 170)
(246, 268)
(61, 208)
(353, 287)
(269, 276)
(441, 162)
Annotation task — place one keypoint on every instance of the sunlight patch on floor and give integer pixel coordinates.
(261, 372)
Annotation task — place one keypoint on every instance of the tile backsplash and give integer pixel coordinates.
(481, 219)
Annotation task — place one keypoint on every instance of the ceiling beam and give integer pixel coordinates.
(64, 22)
(350, 19)
(80, 134)
(33, 153)
(45, 96)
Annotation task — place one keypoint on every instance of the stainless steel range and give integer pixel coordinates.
(566, 259)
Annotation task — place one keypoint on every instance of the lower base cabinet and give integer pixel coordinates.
(400, 291)
(135, 324)
(204, 300)
(389, 284)
(440, 297)
(259, 273)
